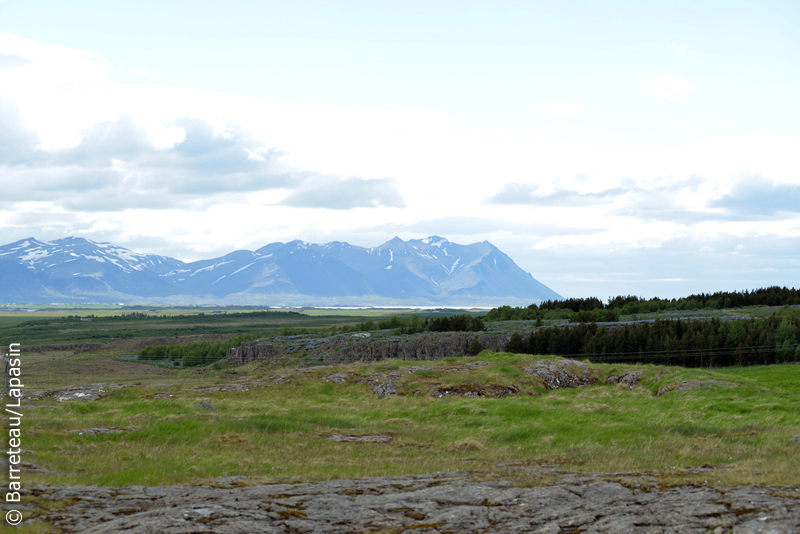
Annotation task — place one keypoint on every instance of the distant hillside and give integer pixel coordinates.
(418, 272)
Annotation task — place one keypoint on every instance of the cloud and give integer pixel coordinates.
(139, 72)
(561, 108)
(668, 87)
(8, 61)
(680, 50)
(346, 193)
(118, 165)
(757, 197)
(525, 194)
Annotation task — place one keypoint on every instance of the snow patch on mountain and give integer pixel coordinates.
(242, 268)
(175, 271)
(210, 267)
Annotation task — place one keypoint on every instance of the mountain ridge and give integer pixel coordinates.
(426, 271)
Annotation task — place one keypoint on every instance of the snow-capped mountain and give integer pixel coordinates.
(415, 272)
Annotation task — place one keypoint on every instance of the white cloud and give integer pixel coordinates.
(680, 50)
(561, 108)
(669, 87)
(139, 72)
(208, 172)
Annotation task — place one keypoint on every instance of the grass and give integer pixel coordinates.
(278, 431)
(34, 331)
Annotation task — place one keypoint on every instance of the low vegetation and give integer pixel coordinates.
(279, 429)
(275, 421)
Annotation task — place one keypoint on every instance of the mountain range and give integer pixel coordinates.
(417, 272)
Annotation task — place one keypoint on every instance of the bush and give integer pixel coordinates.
(475, 347)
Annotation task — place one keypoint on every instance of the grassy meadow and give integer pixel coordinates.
(278, 431)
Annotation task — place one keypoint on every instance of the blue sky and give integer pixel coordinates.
(607, 147)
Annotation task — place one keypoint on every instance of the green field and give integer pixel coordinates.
(75, 329)
(736, 433)
(277, 431)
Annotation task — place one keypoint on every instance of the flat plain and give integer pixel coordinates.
(282, 421)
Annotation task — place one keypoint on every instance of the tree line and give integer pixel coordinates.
(592, 308)
(689, 343)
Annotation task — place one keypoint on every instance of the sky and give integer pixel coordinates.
(608, 147)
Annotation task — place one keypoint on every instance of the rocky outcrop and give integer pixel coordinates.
(207, 406)
(427, 346)
(447, 502)
(347, 349)
(630, 378)
(475, 390)
(561, 373)
(77, 393)
(251, 351)
(385, 389)
(84, 393)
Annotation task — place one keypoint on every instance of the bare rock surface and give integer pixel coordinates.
(630, 378)
(435, 503)
(205, 405)
(561, 373)
(385, 389)
(77, 393)
(337, 378)
(423, 346)
(257, 350)
(34, 394)
(84, 393)
(476, 390)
